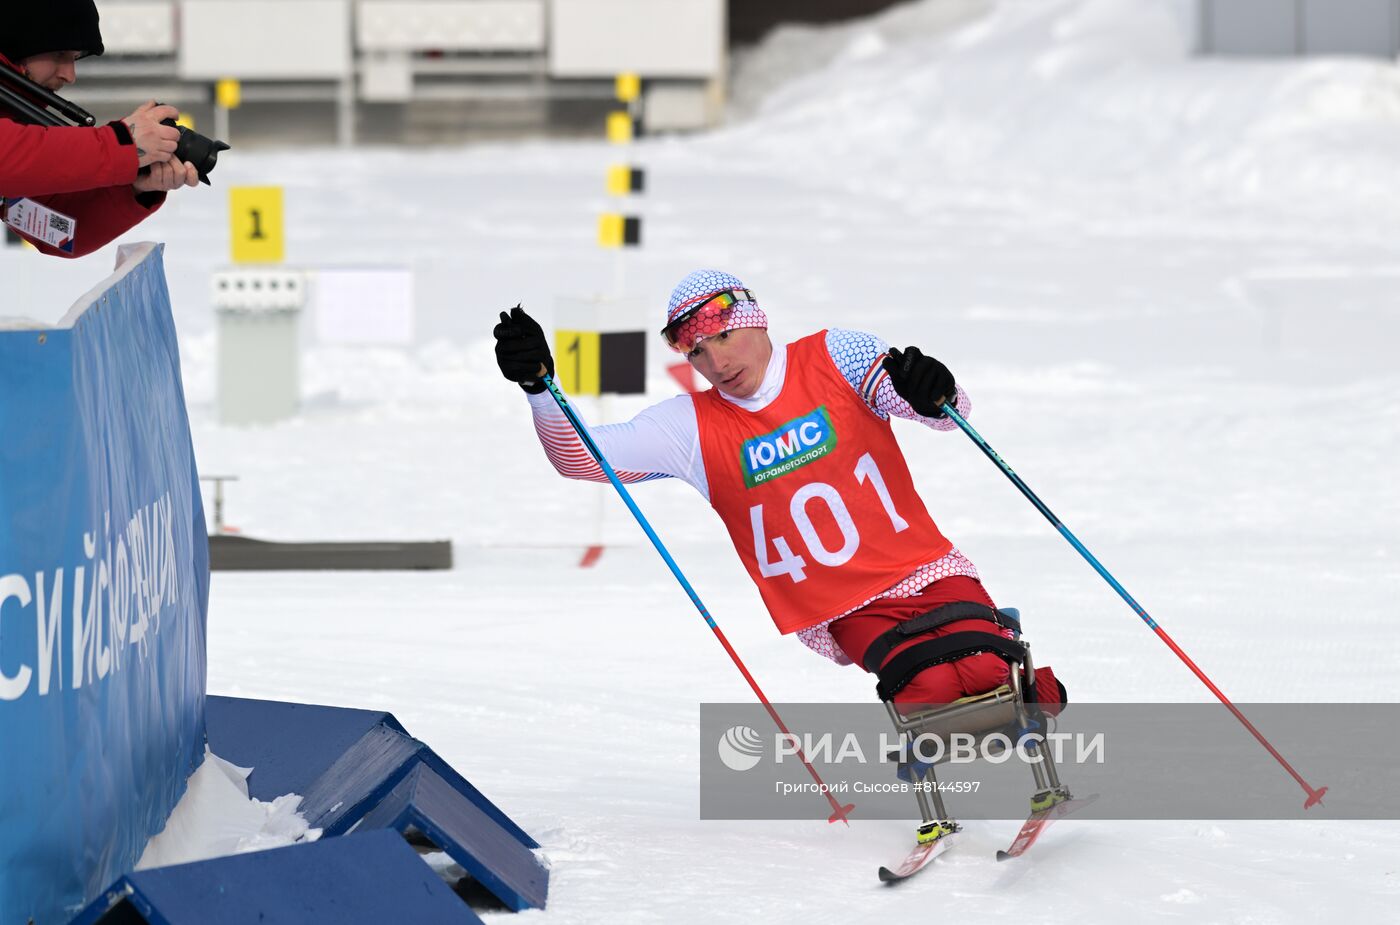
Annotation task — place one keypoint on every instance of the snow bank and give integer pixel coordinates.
(795, 50)
(216, 817)
(1065, 94)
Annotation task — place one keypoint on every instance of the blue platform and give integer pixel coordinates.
(371, 876)
(362, 768)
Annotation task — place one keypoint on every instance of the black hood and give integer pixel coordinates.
(36, 27)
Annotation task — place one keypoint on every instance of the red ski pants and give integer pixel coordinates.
(974, 674)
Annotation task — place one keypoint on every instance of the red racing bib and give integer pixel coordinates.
(815, 493)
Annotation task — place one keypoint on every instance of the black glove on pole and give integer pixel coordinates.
(521, 349)
(922, 381)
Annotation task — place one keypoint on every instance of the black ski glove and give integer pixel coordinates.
(922, 381)
(521, 349)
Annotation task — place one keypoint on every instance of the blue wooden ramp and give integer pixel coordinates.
(424, 801)
(369, 877)
(361, 769)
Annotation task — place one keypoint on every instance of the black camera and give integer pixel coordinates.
(194, 148)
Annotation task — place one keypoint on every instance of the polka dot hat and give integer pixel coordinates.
(694, 290)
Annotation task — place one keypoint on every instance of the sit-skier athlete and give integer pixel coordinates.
(793, 449)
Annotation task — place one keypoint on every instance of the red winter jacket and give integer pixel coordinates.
(85, 173)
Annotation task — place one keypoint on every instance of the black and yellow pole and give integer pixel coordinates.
(609, 360)
(617, 229)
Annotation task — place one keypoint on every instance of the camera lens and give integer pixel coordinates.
(194, 148)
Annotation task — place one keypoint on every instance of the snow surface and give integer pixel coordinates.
(1169, 284)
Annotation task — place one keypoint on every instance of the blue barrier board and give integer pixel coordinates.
(104, 583)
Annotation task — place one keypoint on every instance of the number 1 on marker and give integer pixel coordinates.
(255, 224)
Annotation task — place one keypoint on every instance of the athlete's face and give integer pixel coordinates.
(734, 360)
(52, 70)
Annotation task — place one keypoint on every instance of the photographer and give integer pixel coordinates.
(88, 176)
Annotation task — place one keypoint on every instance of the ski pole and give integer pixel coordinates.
(839, 812)
(1314, 796)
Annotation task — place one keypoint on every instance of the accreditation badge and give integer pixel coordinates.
(41, 223)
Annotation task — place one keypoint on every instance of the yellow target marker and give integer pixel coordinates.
(598, 362)
(578, 361)
(624, 179)
(619, 230)
(255, 224)
(228, 93)
(619, 180)
(628, 87)
(619, 127)
(610, 228)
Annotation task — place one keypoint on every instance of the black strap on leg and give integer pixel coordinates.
(901, 633)
(905, 666)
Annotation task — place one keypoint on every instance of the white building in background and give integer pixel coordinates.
(348, 52)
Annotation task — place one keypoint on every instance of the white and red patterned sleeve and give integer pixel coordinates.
(859, 357)
(663, 441)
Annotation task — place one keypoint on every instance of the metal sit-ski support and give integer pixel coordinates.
(1002, 710)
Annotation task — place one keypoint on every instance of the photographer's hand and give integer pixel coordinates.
(155, 143)
(168, 176)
